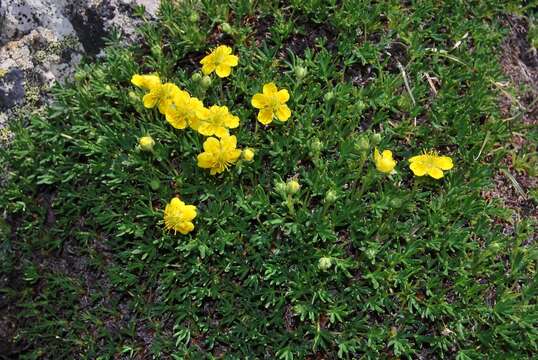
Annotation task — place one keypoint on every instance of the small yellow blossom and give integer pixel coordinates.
(272, 103)
(384, 161)
(248, 154)
(178, 216)
(215, 121)
(219, 154)
(159, 95)
(146, 143)
(430, 164)
(219, 60)
(183, 111)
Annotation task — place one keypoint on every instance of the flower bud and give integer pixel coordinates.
(375, 139)
(196, 77)
(280, 188)
(146, 143)
(324, 263)
(133, 97)
(248, 154)
(329, 96)
(206, 82)
(293, 187)
(330, 197)
(362, 144)
(154, 184)
(156, 50)
(300, 72)
(227, 28)
(316, 145)
(194, 17)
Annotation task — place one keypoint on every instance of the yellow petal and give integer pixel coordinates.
(185, 227)
(176, 202)
(283, 96)
(212, 145)
(387, 154)
(443, 162)
(231, 60)
(229, 142)
(417, 158)
(231, 121)
(221, 132)
(150, 100)
(435, 172)
(207, 59)
(233, 155)
(283, 113)
(377, 155)
(265, 116)
(223, 70)
(147, 82)
(418, 168)
(259, 101)
(206, 129)
(206, 160)
(269, 88)
(208, 68)
(176, 120)
(189, 212)
(226, 50)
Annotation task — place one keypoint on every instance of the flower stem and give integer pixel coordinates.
(289, 203)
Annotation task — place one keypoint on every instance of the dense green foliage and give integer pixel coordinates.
(419, 267)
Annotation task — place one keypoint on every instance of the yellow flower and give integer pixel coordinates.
(272, 103)
(219, 154)
(146, 143)
(159, 95)
(183, 110)
(384, 161)
(178, 216)
(219, 60)
(430, 164)
(215, 121)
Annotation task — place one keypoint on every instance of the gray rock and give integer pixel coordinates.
(42, 42)
(11, 89)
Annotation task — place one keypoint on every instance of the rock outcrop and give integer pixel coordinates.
(42, 41)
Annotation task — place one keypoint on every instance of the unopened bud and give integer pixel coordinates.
(362, 144)
(329, 96)
(206, 82)
(330, 196)
(300, 72)
(248, 154)
(227, 28)
(293, 186)
(146, 143)
(376, 139)
(325, 263)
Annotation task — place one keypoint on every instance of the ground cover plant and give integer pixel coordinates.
(318, 234)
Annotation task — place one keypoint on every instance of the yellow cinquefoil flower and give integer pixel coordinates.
(272, 103)
(384, 161)
(430, 164)
(159, 95)
(219, 154)
(178, 216)
(219, 60)
(183, 110)
(215, 121)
